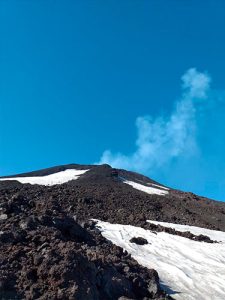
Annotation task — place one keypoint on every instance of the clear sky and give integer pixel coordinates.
(143, 80)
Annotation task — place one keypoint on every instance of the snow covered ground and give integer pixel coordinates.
(52, 179)
(188, 270)
(148, 189)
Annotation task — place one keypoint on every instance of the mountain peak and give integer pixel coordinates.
(55, 223)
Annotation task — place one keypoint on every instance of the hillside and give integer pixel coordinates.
(56, 244)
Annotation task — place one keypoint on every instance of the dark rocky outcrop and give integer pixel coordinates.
(186, 234)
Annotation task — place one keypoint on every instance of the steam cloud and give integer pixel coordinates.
(161, 140)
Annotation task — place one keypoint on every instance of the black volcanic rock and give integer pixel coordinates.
(139, 241)
(187, 234)
(59, 259)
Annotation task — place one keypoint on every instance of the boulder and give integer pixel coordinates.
(139, 241)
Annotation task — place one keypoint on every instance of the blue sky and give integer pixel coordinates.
(78, 78)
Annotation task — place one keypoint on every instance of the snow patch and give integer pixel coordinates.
(49, 180)
(188, 269)
(160, 186)
(147, 189)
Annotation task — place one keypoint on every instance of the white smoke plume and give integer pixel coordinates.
(161, 140)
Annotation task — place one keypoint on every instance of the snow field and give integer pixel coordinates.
(188, 270)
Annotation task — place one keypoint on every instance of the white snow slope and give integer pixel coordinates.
(52, 179)
(148, 189)
(188, 270)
